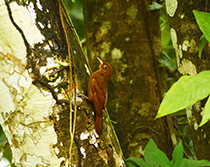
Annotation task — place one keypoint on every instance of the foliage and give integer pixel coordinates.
(203, 20)
(185, 92)
(155, 157)
(190, 89)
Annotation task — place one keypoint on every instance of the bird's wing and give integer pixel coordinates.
(99, 98)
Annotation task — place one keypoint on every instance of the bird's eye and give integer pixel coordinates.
(105, 66)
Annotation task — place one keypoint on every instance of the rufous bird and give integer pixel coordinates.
(98, 92)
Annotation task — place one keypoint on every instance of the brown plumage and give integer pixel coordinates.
(97, 92)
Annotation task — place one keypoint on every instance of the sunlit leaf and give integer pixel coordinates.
(203, 20)
(206, 113)
(185, 92)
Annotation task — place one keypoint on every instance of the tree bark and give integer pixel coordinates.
(127, 35)
(185, 35)
(43, 70)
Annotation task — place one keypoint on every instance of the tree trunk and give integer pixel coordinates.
(127, 35)
(185, 35)
(43, 70)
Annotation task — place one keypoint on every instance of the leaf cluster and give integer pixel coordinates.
(190, 89)
(155, 157)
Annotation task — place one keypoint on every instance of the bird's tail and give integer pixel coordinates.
(98, 125)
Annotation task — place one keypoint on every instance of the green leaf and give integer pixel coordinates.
(206, 113)
(194, 163)
(136, 162)
(201, 46)
(203, 20)
(155, 157)
(177, 155)
(185, 92)
(185, 164)
(151, 146)
(154, 6)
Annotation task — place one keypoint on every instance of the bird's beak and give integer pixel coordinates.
(101, 62)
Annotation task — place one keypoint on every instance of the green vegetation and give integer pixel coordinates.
(153, 157)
